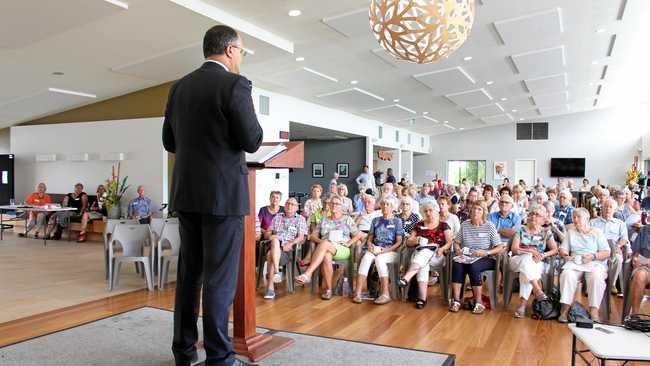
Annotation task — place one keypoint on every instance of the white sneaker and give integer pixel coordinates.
(277, 277)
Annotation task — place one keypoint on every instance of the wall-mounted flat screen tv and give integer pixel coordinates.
(567, 167)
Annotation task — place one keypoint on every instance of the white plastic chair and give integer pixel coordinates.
(108, 231)
(132, 239)
(170, 239)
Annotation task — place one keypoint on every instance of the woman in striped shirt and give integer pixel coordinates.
(482, 241)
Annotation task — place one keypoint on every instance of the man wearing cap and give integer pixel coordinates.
(506, 221)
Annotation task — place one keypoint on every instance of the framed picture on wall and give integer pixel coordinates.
(500, 170)
(317, 170)
(343, 169)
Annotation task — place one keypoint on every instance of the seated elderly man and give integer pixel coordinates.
(506, 221)
(140, 207)
(641, 264)
(384, 239)
(564, 210)
(288, 229)
(37, 219)
(623, 210)
(615, 232)
(388, 193)
(585, 251)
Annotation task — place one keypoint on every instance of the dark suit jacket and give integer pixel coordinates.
(209, 123)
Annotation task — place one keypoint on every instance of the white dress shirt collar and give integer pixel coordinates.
(219, 63)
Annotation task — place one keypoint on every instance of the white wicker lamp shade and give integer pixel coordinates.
(421, 31)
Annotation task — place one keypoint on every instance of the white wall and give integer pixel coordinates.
(140, 139)
(607, 138)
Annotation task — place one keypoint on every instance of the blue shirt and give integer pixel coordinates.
(564, 214)
(385, 232)
(139, 206)
(512, 220)
(642, 242)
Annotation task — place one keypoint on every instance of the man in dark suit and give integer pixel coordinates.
(209, 123)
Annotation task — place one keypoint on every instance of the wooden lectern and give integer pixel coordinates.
(247, 342)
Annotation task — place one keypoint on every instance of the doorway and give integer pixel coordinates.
(526, 169)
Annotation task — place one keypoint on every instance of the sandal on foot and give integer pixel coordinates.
(357, 299)
(303, 279)
(326, 295)
(419, 303)
(478, 308)
(454, 306)
(520, 312)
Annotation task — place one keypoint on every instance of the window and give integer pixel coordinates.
(472, 170)
(381, 132)
(396, 136)
(532, 131)
(265, 105)
(422, 142)
(408, 139)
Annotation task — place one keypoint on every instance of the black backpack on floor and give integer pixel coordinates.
(547, 309)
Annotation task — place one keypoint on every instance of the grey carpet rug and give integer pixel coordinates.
(143, 337)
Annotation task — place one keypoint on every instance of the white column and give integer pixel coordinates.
(398, 168)
(370, 150)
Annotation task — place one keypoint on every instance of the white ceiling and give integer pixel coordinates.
(529, 59)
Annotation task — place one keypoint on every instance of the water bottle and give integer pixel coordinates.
(346, 287)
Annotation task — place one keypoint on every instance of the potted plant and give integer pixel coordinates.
(115, 189)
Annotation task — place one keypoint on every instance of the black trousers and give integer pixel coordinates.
(209, 259)
(460, 270)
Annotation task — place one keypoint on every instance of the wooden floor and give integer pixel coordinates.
(62, 285)
(495, 338)
(36, 279)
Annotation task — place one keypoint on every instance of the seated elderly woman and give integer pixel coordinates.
(387, 191)
(615, 232)
(334, 236)
(551, 223)
(585, 251)
(347, 202)
(267, 213)
(424, 192)
(564, 210)
(530, 246)
(364, 219)
(521, 200)
(288, 229)
(488, 197)
(96, 211)
(384, 239)
(472, 197)
(411, 192)
(77, 199)
(37, 219)
(474, 245)
(408, 216)
(641, 263)
(432, 239)
(446, 216)
(540, 198)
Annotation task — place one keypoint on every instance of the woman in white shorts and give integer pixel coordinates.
(432, 239)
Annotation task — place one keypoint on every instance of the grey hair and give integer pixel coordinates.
(217, 38)
(582, 211)
(428, 204)
(550, 206)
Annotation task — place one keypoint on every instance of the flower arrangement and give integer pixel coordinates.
(115, 188)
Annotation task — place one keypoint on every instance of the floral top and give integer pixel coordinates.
(313, 207)
(534, 240)
(435, 235)
(345, 224)
(288, 228)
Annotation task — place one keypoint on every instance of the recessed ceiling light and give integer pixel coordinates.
(514, 110)
(489, 82)
(504, 99)
(300, 59)
(294, 13)
(467, 58)
(445, 122)
(462, 128)
(521, 119)
(600, 30)
(354, 82)
(396, 100)
(425, 113)
(58, 73)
